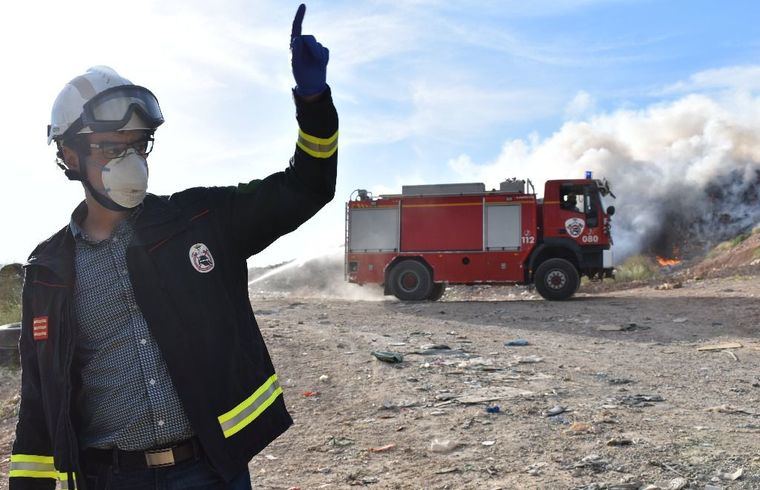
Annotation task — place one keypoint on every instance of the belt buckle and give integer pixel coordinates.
(160, 457)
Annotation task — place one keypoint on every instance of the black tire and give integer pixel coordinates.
(410, 280)
(557, 279)
(438, 289)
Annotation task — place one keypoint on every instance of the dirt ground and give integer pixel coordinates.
(640, 404)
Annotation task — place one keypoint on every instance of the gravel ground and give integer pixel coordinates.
(611, 391)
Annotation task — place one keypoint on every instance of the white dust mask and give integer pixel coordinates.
(125, 179)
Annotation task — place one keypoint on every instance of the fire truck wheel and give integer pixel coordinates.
(438, 289)
(410, 281)
(557, 279)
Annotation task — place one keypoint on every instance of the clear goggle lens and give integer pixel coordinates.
(111, 109)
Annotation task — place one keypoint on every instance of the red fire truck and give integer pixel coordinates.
(416, 242)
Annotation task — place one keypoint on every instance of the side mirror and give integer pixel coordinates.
(610, 210)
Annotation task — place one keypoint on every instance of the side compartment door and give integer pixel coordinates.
(503, 225)
(373, 229)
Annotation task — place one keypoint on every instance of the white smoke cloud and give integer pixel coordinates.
(582, 104)
(683, 170)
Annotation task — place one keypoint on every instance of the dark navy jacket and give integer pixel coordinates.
(187, 264)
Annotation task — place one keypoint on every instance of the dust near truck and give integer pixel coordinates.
(417, 242)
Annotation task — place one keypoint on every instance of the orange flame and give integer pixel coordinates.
(667, 262)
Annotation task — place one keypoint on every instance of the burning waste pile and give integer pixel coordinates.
(686, 174)
(320, 276)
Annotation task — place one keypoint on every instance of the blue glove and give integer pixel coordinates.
(308, 59)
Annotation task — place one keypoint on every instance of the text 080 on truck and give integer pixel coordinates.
(417, 242)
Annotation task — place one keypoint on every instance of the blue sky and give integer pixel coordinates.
(419, 85)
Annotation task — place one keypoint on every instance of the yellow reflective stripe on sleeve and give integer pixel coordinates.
(31, 458)
(246, 412)
(318, 147)
(32, 466)
(33, 474)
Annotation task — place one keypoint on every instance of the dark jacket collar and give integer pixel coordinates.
(158, 219)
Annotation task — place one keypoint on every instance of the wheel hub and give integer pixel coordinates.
(409, 281)
(556, 279)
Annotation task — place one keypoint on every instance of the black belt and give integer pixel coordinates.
(151, 458)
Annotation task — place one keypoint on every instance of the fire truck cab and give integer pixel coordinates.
(417, 242)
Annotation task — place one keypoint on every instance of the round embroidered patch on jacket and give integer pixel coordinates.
(201, 258)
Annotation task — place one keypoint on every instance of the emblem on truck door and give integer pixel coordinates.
(574, 227)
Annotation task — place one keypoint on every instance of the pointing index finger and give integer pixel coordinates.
(297, 21)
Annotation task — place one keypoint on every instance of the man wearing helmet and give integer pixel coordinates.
(143, 365)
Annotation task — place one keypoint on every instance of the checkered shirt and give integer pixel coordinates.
(126, 398)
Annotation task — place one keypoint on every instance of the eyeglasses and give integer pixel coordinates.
(117, 150)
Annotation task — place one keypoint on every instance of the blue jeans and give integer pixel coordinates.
(194, 474)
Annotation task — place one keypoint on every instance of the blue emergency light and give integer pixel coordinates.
(588, 174)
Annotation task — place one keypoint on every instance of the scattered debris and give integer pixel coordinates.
(492, 395)
(678, 483)
(324, 378)
(580, 428)
(721, 346)
(559, 419)
(382, 449)
(493, 409)
(593, 462)
(532, 359)
(388, 356)
(438, 350)
(680, 320)
(339, 441)
(536, 468)
(310, 393)
(609, 328)
(733, 476)
(390, 405)
(628, 327)
(555, 410)
(443, 446)
(619, 441)
(634, 485)
(620, 381)
(488, 443)
(476, 362)
(729, 410)
(435, 347)
(638, 400)
(667, 467)
(517, 343)
(445, 471)
(669, 285)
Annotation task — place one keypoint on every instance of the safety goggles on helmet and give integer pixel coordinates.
(111, 109)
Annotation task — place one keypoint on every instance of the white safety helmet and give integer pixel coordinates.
(77, 110)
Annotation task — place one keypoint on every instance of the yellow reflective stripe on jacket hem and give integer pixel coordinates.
(318, 147)
(246, 412)
(32, 466)
(33, 474)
